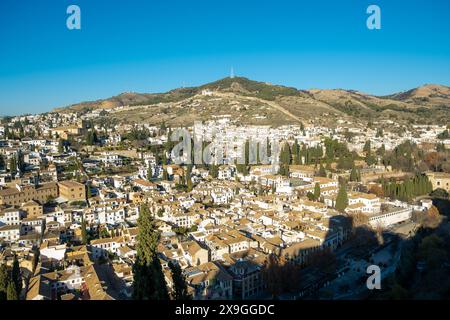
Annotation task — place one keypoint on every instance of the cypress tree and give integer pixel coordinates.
(13, 165)
(88, 191)
(16, 276)
(84, 237)
(247, 152)
(189, 181)
(258, 160)
(342, 198)
(409, 187)
(11, 293)
(296, 152)
(316, 191)
(370, 159)
(353, 175)
(243, 167)
(3, 281)
(89, 139)
(285, 155)
(180, 291)
(269, 147)
(284, 170)
(149, 282)
(7, 134)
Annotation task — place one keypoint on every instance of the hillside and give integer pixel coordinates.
(254, 102)
(427, 95)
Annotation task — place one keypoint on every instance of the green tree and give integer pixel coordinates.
(335, 149)
(247, 152)
(284, 170)
(149, 282)
(214, 171)
(370, 159)
(296, 153)
(242, 168)
(104, 233)
(444, 135)
(189, 180)
(180, 291)
(4, 279)
(8, 134)
(269, 147)
(20, 161)
(353, 175)
(16, 276)
(285, 155)
(310, 196)
(2, 162)
(84, 234)
(89, 138)
(316, 191)
(439, 193)
(342, 198)
(408, 189)
(11, 293)
(13, 165)
(88, 191)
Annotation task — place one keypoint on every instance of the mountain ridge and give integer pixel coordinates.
(226, 84)
(430, 100)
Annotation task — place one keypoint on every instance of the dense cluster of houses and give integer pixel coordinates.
(220, 233)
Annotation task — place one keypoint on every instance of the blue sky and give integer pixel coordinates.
(158, 45)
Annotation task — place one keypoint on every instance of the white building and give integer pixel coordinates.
(111, 159)
(10, 233)
(391, 217)
(363, 202)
